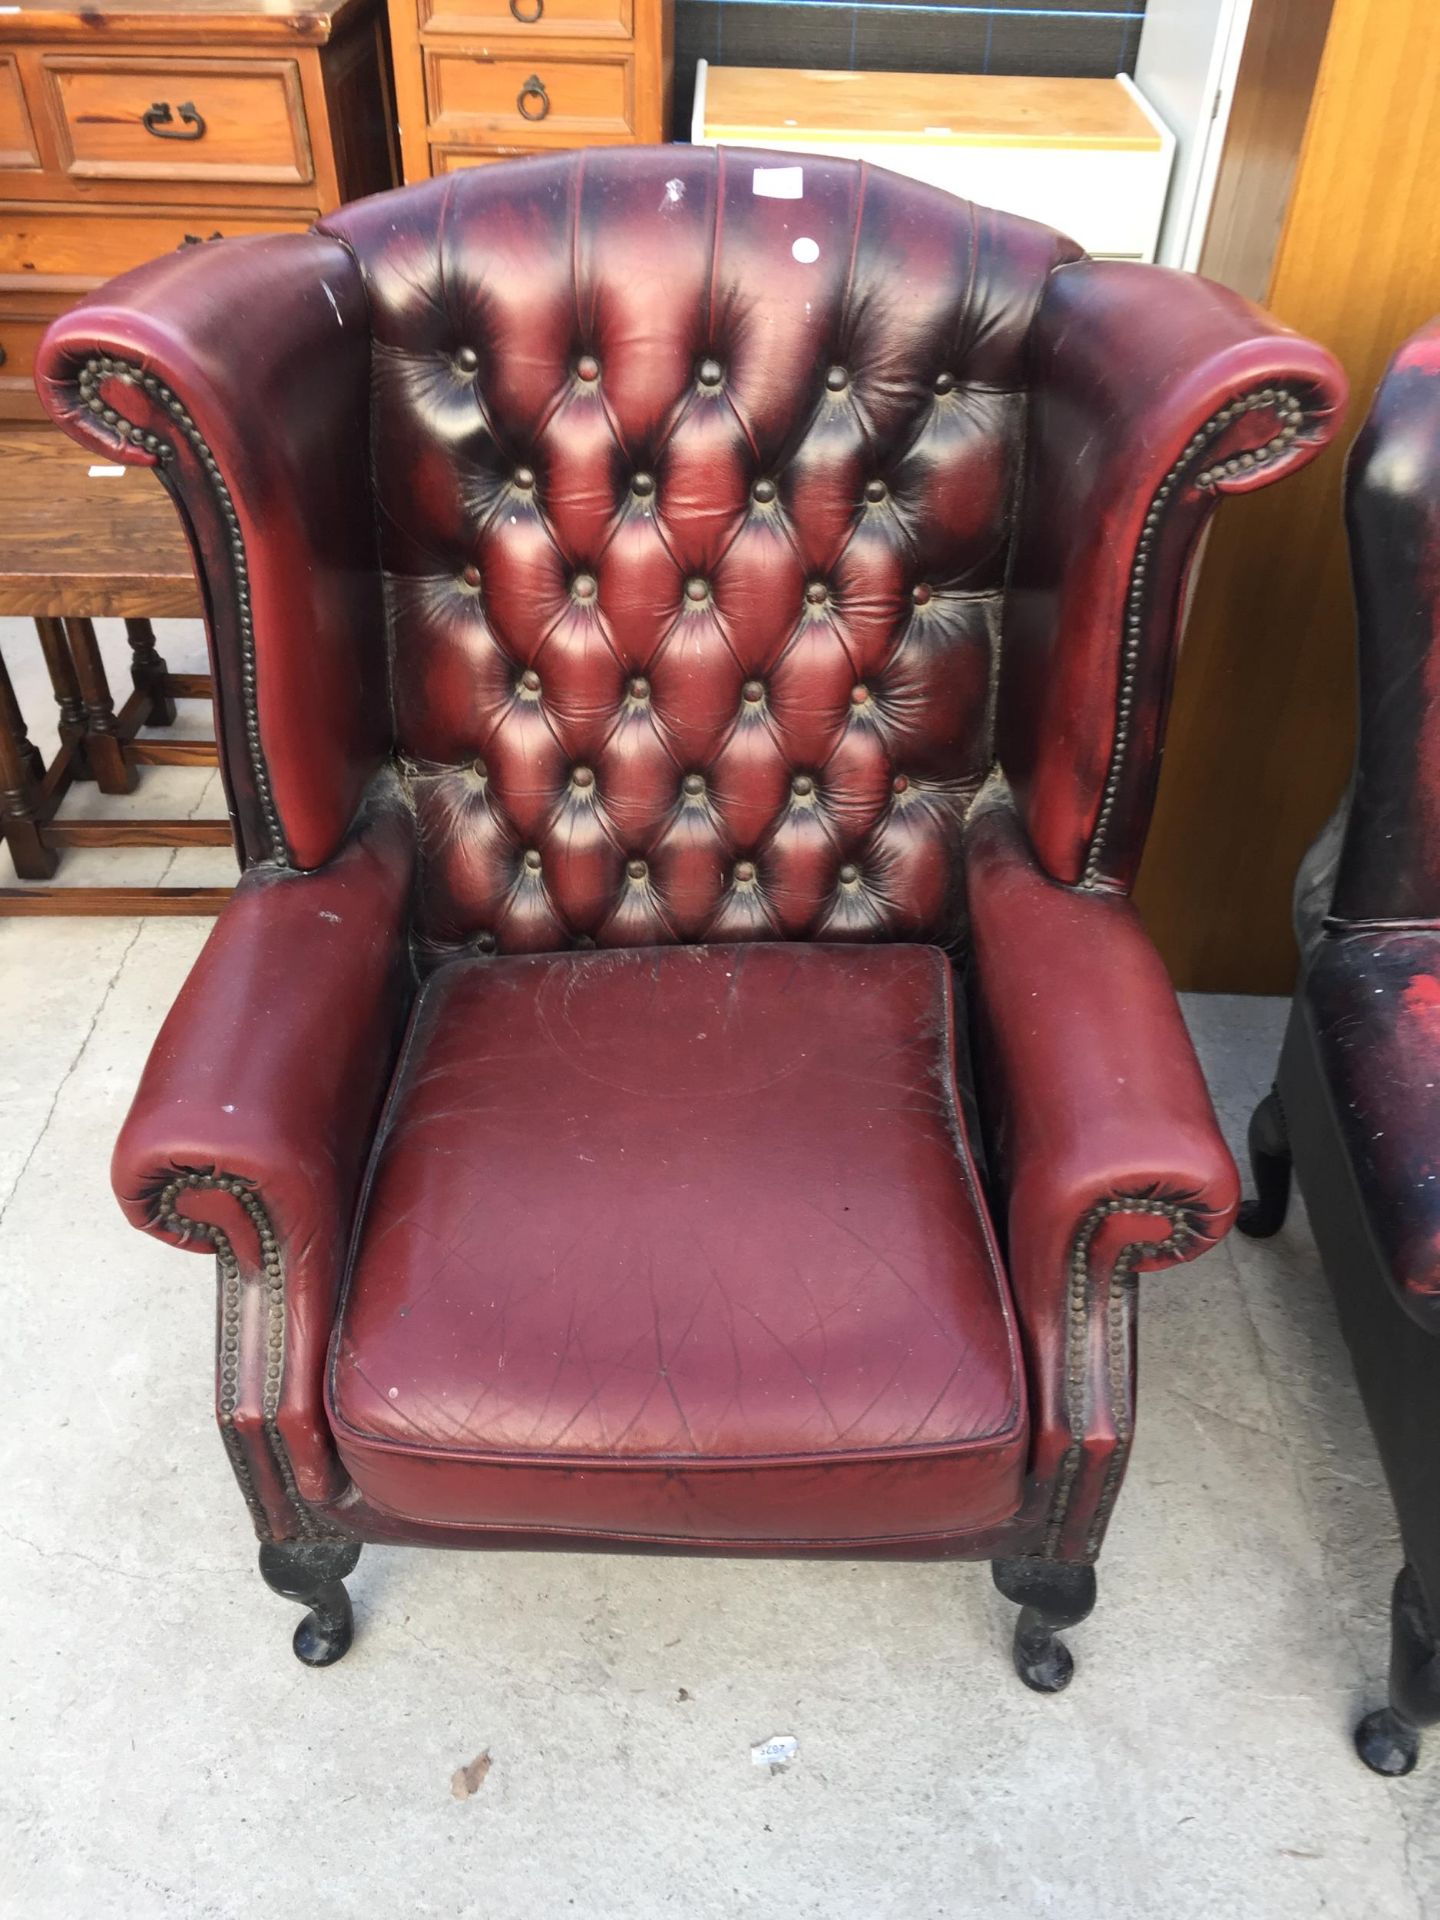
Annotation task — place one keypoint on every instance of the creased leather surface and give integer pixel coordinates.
(695, 552)
(667, 1240)
(1091, 1095)
(272, 1066)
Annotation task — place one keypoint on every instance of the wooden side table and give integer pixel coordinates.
(74, 547)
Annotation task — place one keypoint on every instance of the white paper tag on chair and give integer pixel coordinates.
(778, 1751)
(779, 183)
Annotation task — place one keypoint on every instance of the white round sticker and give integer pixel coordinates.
(807, 252)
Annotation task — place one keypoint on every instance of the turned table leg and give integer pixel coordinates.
(19, 821)
(104, 748)
(148, 674)
(66, 688)
(14, 723)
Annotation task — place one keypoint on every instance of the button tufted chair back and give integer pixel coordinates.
(695, 483)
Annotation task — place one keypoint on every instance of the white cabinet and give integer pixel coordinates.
(1090, 157)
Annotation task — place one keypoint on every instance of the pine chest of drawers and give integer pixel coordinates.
(131, 128)
(482, 80)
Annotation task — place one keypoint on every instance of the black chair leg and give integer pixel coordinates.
(1388, 1740)
(1051, 1594)
(1270, 1164)
(312, 1573)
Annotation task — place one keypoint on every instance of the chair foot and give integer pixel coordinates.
(1388, 1740)
(1051, 1594)
(1270, 1164)
(312, 1573)
(1387, 1744)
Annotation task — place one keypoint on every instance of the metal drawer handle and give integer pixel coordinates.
(527, 19)
(533, 89)
(159, 120)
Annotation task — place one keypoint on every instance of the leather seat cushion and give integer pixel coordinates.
(682, 1244)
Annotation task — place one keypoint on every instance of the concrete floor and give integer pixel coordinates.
(164, 1754)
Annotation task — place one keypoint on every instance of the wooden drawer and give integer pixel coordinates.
(17, 136)
(538, 19)
(453, 159)
(141, 119)
(81, 249)
(543, 100)
(20, 336)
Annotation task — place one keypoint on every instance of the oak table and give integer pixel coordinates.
(80, 542)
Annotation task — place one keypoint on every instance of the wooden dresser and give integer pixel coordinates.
(481, 80)
(131, 128)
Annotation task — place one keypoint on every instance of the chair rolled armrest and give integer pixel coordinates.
(256, 1111)
(239, 370)
(1154, 394)
(1102, 1136)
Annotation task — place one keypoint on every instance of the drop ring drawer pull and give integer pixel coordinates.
(527, 19)
(159, 120)
(533, 89)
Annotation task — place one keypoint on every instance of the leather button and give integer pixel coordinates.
(697, 590)
(944, 383)
(467, 359)
(524, 479)
(471, 576)
(532, 860)
(837, 379)
(849, 875)
(643, 485)
(588, 367)
(585, 942)
(802, 784)
(485, 942)
(639, 687)
(753, 692)
(710, 373)
(530, 680)
(582, 777)
(583, 586)
(859, 695)
(921, 596)
(636, 869)
(763, 491)
(744, 870)
(694, 783)
(875, 489)
(817, 593)
(479, 769)
(900, 783)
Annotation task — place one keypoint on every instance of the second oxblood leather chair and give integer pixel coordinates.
(672, 680)
(1356, 1105)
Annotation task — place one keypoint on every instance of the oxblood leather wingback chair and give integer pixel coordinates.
(668, 675)
(1356, 1105)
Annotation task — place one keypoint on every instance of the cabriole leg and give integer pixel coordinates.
(1388, 1740)
(1051, 1595)
(312, 1573)
(1270, 1165)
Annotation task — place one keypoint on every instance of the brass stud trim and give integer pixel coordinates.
(105, 366)
(166, 1215)
(1291, 414)
(1188, 1229)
